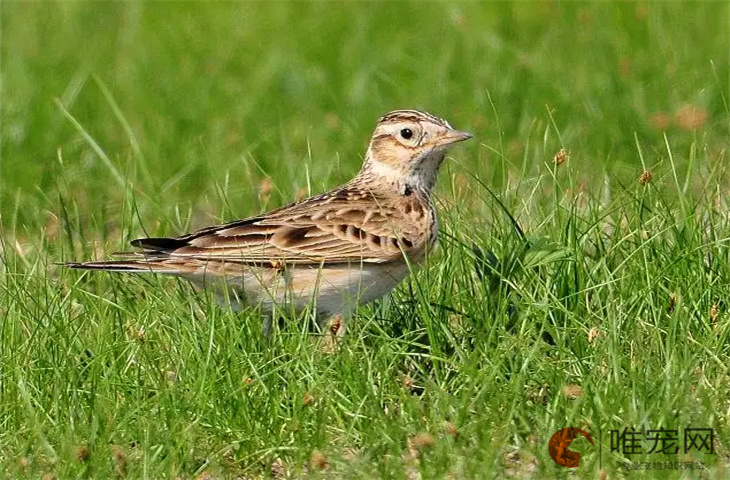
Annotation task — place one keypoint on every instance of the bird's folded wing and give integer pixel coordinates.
(341, 232)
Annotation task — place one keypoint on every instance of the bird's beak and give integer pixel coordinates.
(453, 136)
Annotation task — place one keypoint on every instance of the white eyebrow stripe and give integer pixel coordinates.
(415, 115)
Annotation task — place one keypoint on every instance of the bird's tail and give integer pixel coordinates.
(132, 266)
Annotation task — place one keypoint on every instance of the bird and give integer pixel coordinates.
(331, 252)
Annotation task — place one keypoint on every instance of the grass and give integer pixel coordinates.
(143, 118)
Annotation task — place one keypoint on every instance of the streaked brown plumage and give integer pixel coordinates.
(335, 250)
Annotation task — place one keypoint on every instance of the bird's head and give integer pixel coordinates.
(407, 149)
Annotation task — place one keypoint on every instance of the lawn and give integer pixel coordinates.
(582, 277)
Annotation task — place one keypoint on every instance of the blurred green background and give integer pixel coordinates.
(228, 93)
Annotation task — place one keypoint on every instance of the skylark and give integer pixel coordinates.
(333, 251)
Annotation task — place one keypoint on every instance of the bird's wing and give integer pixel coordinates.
(336, 227)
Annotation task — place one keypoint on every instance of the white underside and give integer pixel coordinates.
(329, 290)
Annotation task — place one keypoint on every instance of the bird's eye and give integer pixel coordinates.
(406, 133)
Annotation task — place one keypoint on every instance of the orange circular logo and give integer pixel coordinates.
(559, 443)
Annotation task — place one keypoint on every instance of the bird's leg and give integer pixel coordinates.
(266, 326)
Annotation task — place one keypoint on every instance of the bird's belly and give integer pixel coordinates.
(329, 289)
(341, 290)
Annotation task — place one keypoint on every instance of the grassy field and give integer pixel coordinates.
(125, 119)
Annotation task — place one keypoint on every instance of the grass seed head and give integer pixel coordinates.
(573, 391)
(451, 430)
(318, 461)
(645, 177)
(660, 120)
(561, 157)
(82, 453)
(691, 117)
(422, 440)
(278, 468)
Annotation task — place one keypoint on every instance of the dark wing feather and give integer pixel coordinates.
(160, 244)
